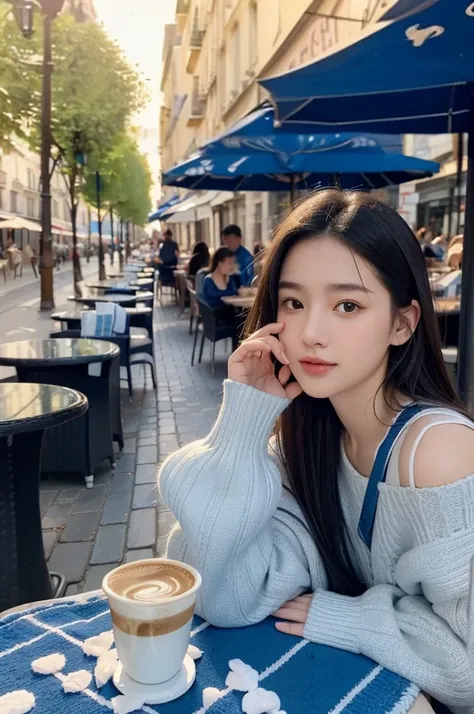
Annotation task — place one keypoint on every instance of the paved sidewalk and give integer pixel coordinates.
(88, 532)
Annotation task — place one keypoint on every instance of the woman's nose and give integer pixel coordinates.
(316, 330)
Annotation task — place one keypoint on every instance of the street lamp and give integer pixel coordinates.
(23, 11)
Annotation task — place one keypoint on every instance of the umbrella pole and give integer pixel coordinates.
(466, 331)
(336, 180)
(293, 189)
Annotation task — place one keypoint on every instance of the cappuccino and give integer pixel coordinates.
(152, 605)
(151, 583)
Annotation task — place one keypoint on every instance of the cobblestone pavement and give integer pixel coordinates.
(86, 533)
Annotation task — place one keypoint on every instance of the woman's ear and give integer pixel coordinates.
(405, 323)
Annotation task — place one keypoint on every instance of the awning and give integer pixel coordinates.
(222, 197)
(18, 223)
(187, 211)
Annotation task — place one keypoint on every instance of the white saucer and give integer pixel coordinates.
(157, 693)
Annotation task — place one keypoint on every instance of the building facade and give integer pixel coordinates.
(212, 56)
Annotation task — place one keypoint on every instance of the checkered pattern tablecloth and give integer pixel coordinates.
(308, 678)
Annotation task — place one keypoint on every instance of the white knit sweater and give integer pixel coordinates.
(248, 538)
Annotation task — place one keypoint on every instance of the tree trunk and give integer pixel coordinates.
(102, 275)
(121, 245)
(88, 233)
(112, 237)
(76, 261)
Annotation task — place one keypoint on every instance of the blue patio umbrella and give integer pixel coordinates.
(403, 8)
(282, 162)
(163, 208)
(412, 75)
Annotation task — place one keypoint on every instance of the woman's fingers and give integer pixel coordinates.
(284, 374)
(273, 328)
(293, 390)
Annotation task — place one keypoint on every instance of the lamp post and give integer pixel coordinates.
(23, 11)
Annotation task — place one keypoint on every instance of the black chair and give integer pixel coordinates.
(166, 279)
(219, 324)
(131, 347)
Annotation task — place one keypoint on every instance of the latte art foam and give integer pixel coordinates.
(154, 590)
(150, 583)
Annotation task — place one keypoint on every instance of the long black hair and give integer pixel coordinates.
(309, 432)
(219, 256)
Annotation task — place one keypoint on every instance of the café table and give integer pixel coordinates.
(27, 413)
(308, 678)
(107, 284)
(91, 298)
(92, 368)
(142, 283)
(241, 301)
(70, 319)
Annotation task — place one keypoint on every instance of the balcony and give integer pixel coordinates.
(197, 110)
(182, 12)
(3, 178)
(195, 46)
(17, 186)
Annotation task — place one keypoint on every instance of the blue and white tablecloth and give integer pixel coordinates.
(308, 678)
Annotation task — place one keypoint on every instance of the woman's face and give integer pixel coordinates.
(227, 266)
(338, 318)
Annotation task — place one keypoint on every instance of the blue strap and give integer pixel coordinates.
(379, 471)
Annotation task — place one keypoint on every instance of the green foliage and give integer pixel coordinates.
(20, 79)
(125, 181)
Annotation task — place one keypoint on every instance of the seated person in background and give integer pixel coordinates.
(220, 282)
(232, 239)
(455, 252)
(200, 259)
(169, 251)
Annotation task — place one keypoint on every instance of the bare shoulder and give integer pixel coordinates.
(444, 455)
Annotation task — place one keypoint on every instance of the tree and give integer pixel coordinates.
(125, 182)
(20, 79)
(95, 91)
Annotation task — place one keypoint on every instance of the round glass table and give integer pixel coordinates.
(91, 298)
(27, 413)
(90, 366)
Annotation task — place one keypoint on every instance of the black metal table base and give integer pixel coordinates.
(24, 575)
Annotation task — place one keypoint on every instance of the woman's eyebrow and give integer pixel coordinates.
(332, 288)
(347, 287)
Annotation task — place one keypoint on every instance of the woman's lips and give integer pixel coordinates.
(316, 368)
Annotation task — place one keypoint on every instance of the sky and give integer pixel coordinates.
(138, 27)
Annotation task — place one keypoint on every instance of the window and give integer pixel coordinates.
(55, 207)
(258, 223)
(31, 179)
(235, 59)
(66, 211)
(30, 207)
(253, 34)
(14, 202)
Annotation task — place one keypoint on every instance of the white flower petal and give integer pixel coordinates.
(242, 681)
(236, 665)
(260, 701)
(210, 695)
(77, 681)
(194, 652)
(50, 664)
(97, 645)
(105, 667)
(19, 702)
(124, 705)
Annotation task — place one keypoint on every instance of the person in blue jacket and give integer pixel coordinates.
(232, 239)
(221, 281)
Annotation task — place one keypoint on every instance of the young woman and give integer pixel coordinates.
(345, 358)
(200, 259)
(221, 281)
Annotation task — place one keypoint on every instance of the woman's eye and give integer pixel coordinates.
(292, 304)
(347, 307)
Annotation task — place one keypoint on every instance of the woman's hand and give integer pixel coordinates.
(252, 364)
(296, 613)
